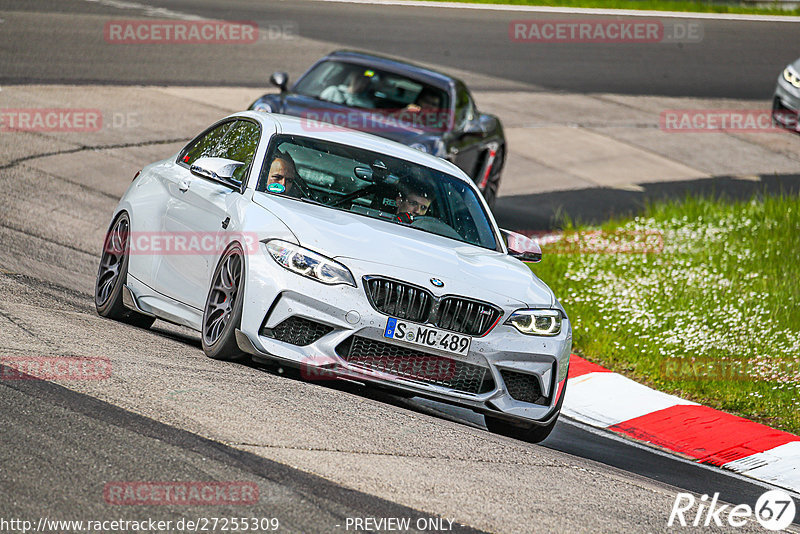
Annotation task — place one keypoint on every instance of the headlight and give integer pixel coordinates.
(790, 76)
(419, 146)
(536, 322)
(309, 264)
(263, 106)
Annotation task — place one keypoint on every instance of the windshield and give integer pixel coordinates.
(377, 186)
(378, 91)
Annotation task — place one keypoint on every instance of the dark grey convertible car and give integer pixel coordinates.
(419, 107)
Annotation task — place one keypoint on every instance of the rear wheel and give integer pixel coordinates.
(222, 314)
(112, 275)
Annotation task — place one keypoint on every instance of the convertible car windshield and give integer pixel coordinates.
(371, 89)
(377, 186)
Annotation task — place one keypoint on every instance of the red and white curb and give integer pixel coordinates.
(600, 398)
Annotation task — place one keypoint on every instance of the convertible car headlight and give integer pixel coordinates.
(309, 264)
(790, 76)
(536, 322)
(263, 106)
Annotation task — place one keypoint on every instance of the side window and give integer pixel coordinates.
(239, 144)
(205, 146)
(465, 108)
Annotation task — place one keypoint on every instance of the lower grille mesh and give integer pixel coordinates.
(415, 365)
(523, 387)
(297, 331)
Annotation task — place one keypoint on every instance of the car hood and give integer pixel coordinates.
(371, 246)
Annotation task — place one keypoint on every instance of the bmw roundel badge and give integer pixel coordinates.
(436, 282)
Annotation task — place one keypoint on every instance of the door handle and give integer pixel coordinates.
(183, 185)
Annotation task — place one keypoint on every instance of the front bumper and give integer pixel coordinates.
(512, 361)
(786, 106)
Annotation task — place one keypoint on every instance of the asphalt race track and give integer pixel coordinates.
(732, 59)
(322, 454)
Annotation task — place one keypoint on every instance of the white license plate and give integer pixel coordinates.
(426, 336)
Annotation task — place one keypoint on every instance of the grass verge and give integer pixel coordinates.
(646, 5)
(712, 314)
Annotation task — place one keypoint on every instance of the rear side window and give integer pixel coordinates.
(465, 107)
(240, 142)
(205, 145)
(234, 140)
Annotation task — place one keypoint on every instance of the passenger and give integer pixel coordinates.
(353, 93)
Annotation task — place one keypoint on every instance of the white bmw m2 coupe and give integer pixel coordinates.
(338, 252)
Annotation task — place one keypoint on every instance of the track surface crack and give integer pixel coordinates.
(392, 454)
(83, 148)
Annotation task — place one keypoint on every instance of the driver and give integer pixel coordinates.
(414, 199)
(283, 172)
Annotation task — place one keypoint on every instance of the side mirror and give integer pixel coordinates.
(473, 127)
(220, 170)
(480, 125)
(279, 79)
(523, 248)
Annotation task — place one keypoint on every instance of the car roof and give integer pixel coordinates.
(396, 66)
(286, 124)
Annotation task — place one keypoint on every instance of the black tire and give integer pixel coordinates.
(112, 275)
(493, 183)
(529, 433)
(222, 313)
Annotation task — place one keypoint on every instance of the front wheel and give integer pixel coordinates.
(493, 183)
(112, 274)
(531, 434)
(222, 314)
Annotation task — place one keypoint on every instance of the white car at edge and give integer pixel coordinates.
(329, 274)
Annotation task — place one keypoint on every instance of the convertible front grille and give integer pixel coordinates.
(523, 387)
(297, 331)
(406, 301)
(404, 362)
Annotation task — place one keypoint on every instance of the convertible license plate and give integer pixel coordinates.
(427, 336)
